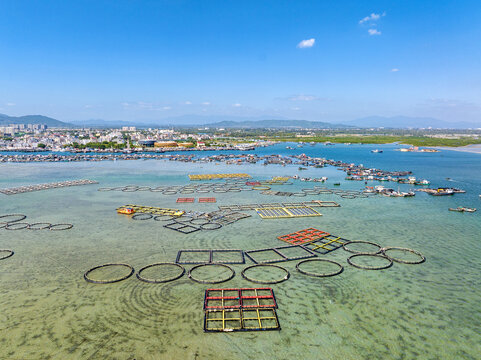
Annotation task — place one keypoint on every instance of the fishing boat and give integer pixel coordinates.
(463, 209)
(376, 151)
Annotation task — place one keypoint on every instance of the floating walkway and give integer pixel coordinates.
(153, 210)
(219, 176)
(30, 188)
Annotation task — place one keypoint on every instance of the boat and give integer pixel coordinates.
(126, 211)
(337, 184)
(289, 147)
(463, 209)
(376, 151)
(302, 168)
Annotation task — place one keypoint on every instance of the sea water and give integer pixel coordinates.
(425, 311)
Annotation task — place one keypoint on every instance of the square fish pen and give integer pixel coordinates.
(208, 256)
(244, 309)
(302, 237)
(326, 244)
(228, 320)
(238, 298)
(286, 212)
(280, 253)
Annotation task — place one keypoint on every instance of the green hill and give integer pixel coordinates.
(32, 119)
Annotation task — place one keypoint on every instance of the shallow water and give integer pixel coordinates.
(426, 311)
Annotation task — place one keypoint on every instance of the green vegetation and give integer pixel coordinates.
(41, 146)
(378, 139)
(98, 145)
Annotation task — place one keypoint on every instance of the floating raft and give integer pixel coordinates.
(208, 200)
(153, 210)
(280, 178)
(287, 212)
(30, 188)
(219, 176)
(185, 200)
(302, 237)
(314, 203)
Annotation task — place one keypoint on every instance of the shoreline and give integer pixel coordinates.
(474, 148)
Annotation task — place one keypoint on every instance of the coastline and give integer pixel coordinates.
(475, 148)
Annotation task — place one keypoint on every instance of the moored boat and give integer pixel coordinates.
(463, 209)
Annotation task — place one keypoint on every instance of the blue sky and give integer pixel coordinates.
(315, 60)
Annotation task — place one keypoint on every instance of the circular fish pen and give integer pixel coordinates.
(216, 281)
(260, 281)
(309, 273)
(379, 248)
(210, 226)
(368, 267)
(39, 226)
(157, 281)
(9, 253)
(5, 219)
(16, 226)
(108, 281)
(420, 256)
(60, 227)
(142, 216)
(261, 187)
(165, 218)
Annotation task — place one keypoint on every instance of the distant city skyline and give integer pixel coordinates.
(320, 61)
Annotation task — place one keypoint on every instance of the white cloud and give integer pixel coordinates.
(394, 70)
(206, 103)
(166, 108)
(306, 43)
(296, 108)
(236, 105)
(88, 106)
(188, 102)
(374, 32)
(302, 97)
(10, 104)
(372, 17)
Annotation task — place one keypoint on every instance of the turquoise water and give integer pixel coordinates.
(426, 311)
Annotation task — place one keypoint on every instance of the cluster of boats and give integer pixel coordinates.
(410, 180)
(321, 179)
(442, 191)
(388, 192)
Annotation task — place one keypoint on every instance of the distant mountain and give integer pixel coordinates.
(276, 124)
(98, 123)
(32, 119)
(185, 120)
(399, 122)
(175, 121)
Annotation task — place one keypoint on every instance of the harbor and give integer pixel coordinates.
(151, 188)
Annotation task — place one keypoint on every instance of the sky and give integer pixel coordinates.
(148, 60)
